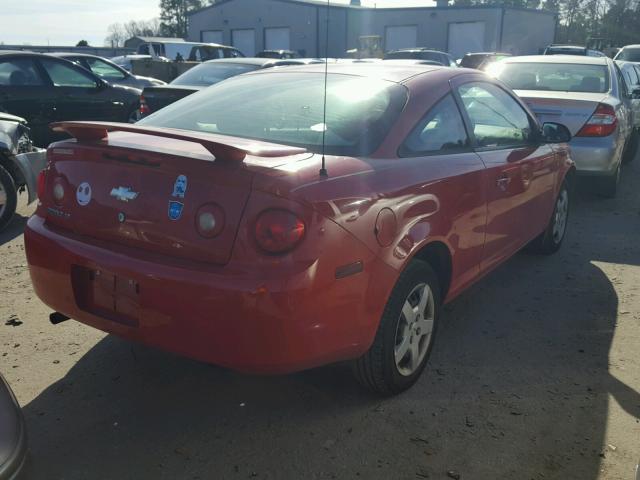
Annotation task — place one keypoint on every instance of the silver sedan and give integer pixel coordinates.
(589, 96)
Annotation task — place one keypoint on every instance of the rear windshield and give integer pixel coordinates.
(473, 61)
(565, 51)
(287, 108)
(210, 73)
(556, 77)
(629, 55)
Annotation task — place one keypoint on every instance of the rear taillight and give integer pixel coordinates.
(279, 231)
(58, 191)
(42, 184)
(602, 123)
(144, 108)
(210, 220)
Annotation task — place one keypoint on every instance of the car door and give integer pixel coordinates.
(79, 94)
(26, 92)
(630, 76)
(624, 110)
(439, 158)
(521, 170)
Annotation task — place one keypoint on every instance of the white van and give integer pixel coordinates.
(188, 51)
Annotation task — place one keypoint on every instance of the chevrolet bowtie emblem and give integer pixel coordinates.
(124, 194)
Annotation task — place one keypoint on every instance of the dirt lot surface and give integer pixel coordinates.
(535, 375)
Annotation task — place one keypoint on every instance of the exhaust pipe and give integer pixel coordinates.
(57, 317)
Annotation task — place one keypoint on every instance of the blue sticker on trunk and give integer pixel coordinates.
(175, 210)
(180, 187)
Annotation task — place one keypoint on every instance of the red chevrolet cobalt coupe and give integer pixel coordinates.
(211, 230)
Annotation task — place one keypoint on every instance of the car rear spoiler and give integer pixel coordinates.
(220, 146)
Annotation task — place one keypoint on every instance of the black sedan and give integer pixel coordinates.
(43, 89)
(205, 75)
(109, 71)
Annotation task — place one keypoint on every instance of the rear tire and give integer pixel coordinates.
(551, 239)
(405, 336)
(8, 198)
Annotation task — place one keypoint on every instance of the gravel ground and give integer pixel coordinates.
(535, 375)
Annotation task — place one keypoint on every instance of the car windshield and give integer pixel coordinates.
(557, 77)
(211, 73)
(629, 55)
(287, 108)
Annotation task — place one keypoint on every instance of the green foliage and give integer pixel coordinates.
(173, 16)
(82, 43)
(614, 21)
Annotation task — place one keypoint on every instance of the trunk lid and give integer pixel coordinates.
(571, 109)
(161, 96)
(136, 190)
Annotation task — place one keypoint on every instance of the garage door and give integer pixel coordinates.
(212, 36)
(277, 38)
(401, 37)
(465, 38)
(245, 41)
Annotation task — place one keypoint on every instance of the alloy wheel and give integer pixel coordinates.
(562, 213)
(415, 329)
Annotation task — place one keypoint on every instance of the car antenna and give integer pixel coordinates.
(323, 170)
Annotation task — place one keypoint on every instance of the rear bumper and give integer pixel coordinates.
(289, 317)
(596, 156)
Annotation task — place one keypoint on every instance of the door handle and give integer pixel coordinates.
(503, 182)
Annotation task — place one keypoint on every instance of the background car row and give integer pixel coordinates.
(599, 99)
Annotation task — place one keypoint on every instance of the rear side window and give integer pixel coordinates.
(496, 118)
(440, 131)
(20, 72)
(67, 76)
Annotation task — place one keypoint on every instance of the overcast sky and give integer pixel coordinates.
(65, 22)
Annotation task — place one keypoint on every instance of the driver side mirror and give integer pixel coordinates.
(555, 133)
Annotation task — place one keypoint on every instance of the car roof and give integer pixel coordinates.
(19, 52)
(635, 45)
(583, 60)
(379, 70)
(487, 53)
(73, 54)
(416, 49)
(243, 60)
(28, 53)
